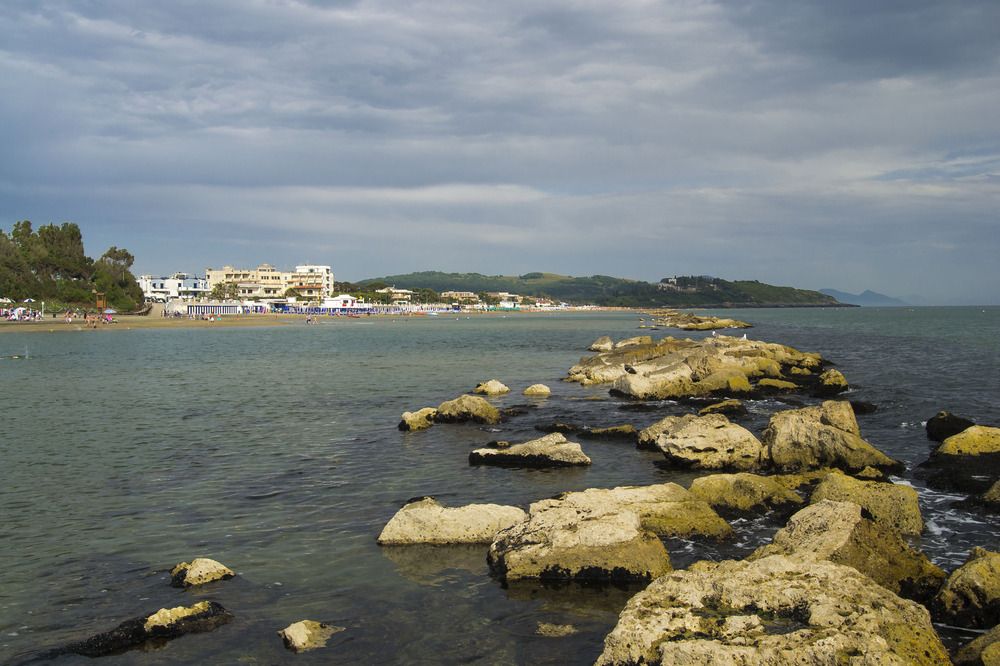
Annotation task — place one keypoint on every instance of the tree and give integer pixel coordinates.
(117, 261)
(224, 291)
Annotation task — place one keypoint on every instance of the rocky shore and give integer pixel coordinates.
(839, 582)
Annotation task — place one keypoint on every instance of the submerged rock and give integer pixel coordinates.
(971, 595)
(728, 408)
(552, 450)
(467, 408)
(972, 441)
(166, 623)
(838, 532)
(307, 635)
(418, 420)
(537, 389)
(427, 522)
(201, 570)
(943, 425)
(775, 610)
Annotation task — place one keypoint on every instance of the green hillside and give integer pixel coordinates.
(609, 291)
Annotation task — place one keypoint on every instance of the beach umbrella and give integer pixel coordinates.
(110, 311)
(5, 300)
(28, 300)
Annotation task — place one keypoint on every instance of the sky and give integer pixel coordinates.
(850, 145)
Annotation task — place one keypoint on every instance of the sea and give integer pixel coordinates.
(275, 450)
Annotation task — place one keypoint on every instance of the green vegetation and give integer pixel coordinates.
(603, 290)
(49, 265)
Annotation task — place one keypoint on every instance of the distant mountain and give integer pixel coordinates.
(869, 298)
(603, 290)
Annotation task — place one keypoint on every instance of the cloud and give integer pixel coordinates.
(849, 145)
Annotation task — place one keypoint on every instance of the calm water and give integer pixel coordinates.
(275, 451)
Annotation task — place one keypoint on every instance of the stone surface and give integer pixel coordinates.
(971, 595)
(166, 623)
(744, 493)
(622, 432)
(428, 522)
(822, 436)
(728, 408)
(837, 531)
(307, 635)
(467, 408)
(710, 442)
(570, 543)
(891, 505)
(983, 651)
(537, 389)
(418, 420)
(491, 387)
(943, 425)
(831, 382)
(201, 570)
(552, 450)
(972, 441)
(602, 344)
(775, 610)
(666, 509)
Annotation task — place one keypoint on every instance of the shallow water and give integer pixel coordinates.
(275, 451)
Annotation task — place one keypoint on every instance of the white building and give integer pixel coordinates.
(311, 281)
(177, 286)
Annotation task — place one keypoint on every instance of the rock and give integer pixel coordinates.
(823, 436)
(775, 610)
(983, 651)
(971, 595)
(602, 344)
(638, 340)
(166, 623)
(467, 408)
(569, 543)
(201, 570)
(831, 382)
(710, 442)
(552, 450)
(725, 381)
(492, 387)
(666, 509)
(943, 425)
(992, 496)
(972, 441)
(837, 531)
(744, 493)
(427, 522)
(891, 505)
(770, 385)
(624, 432)
(727, 408)
(537, 389)
(418, 420)
(307, 635)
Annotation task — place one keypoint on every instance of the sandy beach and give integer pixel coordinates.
(155, 320)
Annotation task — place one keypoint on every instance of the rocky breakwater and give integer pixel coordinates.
(641, 369)
(688, 321)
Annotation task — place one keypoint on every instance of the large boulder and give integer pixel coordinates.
(831, 382)
(307, 635)
(710, 442)
(890, 505)
(427, 522)
(744, 493)
(665, 509)
(971, 595)
(552, 450)
(943, 425)
(602, 344)
(537, 390)
(983, 651)
(418, 420)
(201, 570)
(727, 408)
(837, 531)
(166, 623)
(972, 441)
(570, 543)
(822, 436)
(467, 408)
(775, 610)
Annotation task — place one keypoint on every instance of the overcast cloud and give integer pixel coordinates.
(851, 144)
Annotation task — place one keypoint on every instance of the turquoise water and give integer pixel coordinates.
(275, 450)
